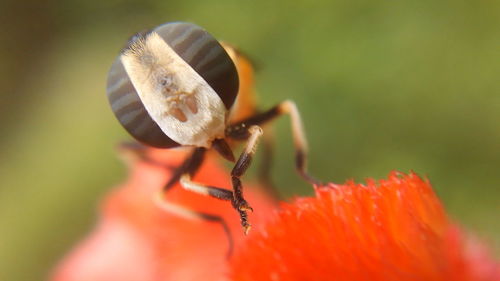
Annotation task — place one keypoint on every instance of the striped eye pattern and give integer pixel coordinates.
(200, 50)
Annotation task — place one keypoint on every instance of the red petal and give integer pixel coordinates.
(392, 230)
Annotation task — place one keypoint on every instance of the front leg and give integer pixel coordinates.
(252, 134)
(239, 131)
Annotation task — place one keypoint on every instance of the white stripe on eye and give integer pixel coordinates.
(124, 100)
(195, 47)
(141, 128)
(129, 116)
(117, 85)
(209, 56)
(183, 36)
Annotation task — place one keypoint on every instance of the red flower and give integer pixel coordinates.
(395, 229)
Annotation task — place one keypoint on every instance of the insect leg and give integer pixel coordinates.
(223, 194)
(216, 192)
(239, 203)
(245, 106)
(237, 131)
(183, 174)
(184, 212)
(236, 196)
(190, 166)
(131, 151)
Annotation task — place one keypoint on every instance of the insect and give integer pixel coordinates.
(175, 85)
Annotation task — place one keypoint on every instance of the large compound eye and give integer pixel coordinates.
(130, 111)
(198, 49)
(205, 55)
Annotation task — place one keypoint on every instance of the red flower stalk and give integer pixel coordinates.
(394, 229)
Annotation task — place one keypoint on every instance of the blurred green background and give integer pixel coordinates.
(382, 85)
